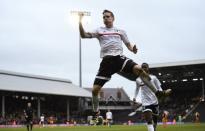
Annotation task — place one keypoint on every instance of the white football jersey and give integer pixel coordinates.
(110, 40)
(148, 97)
(42, 118)
(109, 115)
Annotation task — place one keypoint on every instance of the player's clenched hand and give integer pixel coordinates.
(134, 49)
(80, 17)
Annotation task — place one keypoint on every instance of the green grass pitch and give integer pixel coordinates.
(184, 127)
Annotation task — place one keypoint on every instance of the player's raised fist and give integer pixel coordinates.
(134, 49)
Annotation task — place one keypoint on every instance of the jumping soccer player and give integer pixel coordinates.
(150, 107)
(113, 60)
(28, 113)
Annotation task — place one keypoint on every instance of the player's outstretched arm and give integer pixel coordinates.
(124, 38)
(83, 34)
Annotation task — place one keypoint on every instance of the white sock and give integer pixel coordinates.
(150, 127)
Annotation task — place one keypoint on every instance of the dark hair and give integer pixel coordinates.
(107, 11)
(145, 65)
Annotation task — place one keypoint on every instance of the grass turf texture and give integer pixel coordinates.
(185, 127)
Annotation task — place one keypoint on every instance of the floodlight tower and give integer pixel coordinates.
(80, 13)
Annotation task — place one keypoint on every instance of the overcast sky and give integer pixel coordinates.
(38, 37)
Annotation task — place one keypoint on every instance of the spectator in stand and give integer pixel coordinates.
(165, 118)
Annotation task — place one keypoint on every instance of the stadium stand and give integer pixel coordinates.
(50, 96)
(186, 79)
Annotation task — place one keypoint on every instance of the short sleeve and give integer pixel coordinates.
(124, 37)
(157, 83)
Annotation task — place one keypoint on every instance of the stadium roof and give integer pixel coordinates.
(180, 71)
(179, 63)
(19, 82)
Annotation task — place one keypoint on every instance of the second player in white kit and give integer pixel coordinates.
(149, 100)
(147, 95)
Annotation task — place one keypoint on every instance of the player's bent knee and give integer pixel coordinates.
(99, 82)
(96, 89)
